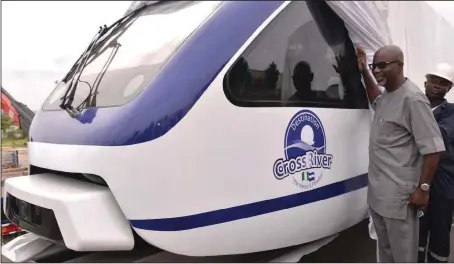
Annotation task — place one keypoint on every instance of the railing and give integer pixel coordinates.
(10, 159)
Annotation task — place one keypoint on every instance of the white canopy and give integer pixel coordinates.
(424, 35)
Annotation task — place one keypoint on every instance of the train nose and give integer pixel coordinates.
(84, 216)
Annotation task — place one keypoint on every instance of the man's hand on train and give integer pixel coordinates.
(361, 57)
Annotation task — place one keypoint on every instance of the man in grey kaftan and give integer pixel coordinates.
(403, 147)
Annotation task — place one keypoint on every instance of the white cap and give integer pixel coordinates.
(445, 71)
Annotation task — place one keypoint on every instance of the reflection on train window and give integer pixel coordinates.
(304, 57)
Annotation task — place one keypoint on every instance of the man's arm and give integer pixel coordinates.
(447, 131)
(429, 166)
(373, 92)
(427, 136)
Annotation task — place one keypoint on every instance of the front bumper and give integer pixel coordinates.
(85, 216)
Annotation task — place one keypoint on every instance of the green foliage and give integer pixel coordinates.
(240, 75)
(7, 129)
(271, 76)
(6, 123)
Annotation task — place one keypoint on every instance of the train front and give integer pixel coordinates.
(90, 139)
(112, 144)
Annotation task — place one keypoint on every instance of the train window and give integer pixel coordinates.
(304, 57)
(130, 58)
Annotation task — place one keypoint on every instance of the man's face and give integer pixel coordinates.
(385, 69)
(436, 87)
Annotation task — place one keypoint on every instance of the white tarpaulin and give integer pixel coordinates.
(365, 24)
(424, 35)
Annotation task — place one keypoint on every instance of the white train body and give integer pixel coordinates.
(200, 153)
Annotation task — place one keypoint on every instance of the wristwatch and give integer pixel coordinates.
(424, 186)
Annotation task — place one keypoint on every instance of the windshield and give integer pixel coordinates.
(131, 58)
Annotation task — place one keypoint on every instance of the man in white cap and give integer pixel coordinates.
(435, 225)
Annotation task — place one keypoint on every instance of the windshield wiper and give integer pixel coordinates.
(78, 68)
(82, 62)
(90, 100)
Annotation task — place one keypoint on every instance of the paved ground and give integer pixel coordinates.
(352, 245)
(346, 247)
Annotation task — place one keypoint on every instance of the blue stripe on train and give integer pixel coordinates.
(252, 209)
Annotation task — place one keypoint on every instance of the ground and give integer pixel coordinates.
(353, 245)
(14, 142)
(346, 248)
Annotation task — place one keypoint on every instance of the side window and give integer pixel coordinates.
(304, 57)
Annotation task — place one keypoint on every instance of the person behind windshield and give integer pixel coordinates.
(302, 80)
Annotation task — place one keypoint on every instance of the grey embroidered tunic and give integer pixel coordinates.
(403, 130)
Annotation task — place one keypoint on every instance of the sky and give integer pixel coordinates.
(41, 40)
(38, 47)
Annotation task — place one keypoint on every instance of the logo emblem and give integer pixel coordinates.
(305, 151)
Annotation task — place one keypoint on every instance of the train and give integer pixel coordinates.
(206, 128)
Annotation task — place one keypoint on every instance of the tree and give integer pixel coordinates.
(271, 76)
(238, 73)
(6, 123)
